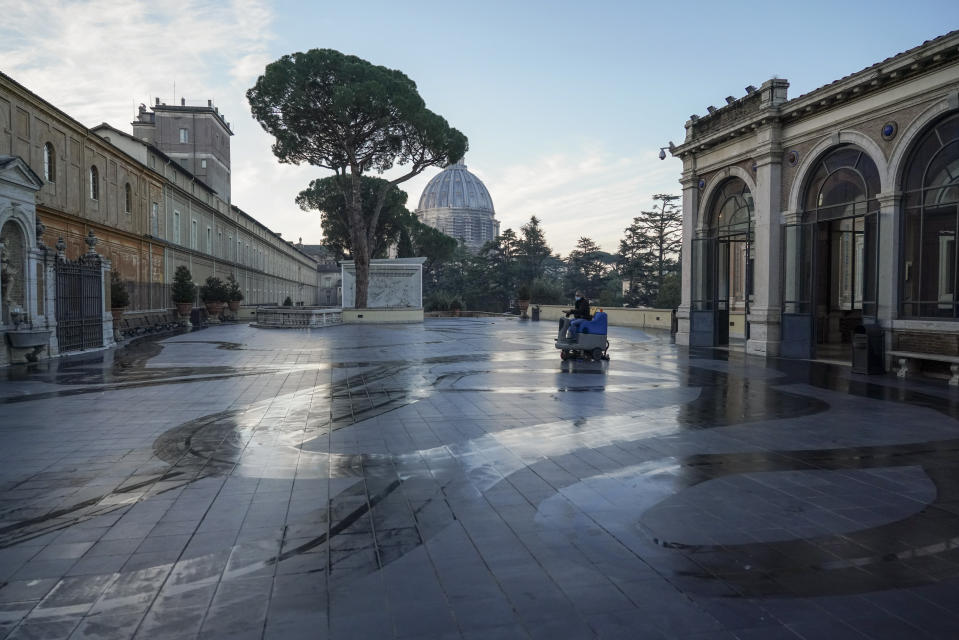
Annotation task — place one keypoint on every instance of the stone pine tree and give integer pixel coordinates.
(344, 114)
(649, 251)
(326, 195)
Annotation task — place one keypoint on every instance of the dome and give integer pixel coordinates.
(455, 188)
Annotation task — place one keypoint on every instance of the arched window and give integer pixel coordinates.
(732, 210)
(49, 163)
(930, 185)
(127, 198)
(845, 183)
(840, 201)
(94, 183)
(731, 222)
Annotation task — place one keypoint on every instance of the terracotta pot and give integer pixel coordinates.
(234, 305)
(213, 309)
(184, 308)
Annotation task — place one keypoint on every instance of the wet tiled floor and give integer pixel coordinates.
(455, 479)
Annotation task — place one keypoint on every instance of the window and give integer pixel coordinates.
(49, 163)
(203, 163)
(184, 135)
(930, 209)
(155, 219)
(236, 256)
(127, 198)
(94, 183)
(834, 264)
(176, 227)
(193, 234)
(209, 240)
(219, 243)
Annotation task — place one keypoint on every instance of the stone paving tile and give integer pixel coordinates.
(458, 481)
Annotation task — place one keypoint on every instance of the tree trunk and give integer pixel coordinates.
(361, 246)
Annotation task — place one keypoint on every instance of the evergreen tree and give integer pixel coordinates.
(587, 266)
(532, 251)
(649, 252)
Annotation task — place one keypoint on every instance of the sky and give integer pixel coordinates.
(565, 104)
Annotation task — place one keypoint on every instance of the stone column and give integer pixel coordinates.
(765, 311)
(690, 184)
(48, 264)
(890, 255)
(105, 266)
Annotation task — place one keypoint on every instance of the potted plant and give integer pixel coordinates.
(288, 302)
(214, 295)
(455, 307)
(522, 299)
(119, 299)
(234, 295)
(184, 291)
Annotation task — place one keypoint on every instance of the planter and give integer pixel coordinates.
(117, 313)
(184, 308)
(213, 311)
(234, 305)
(523, 306)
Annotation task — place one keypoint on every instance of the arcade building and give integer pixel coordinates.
(806, 218)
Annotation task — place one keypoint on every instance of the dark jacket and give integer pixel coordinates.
(581, 310)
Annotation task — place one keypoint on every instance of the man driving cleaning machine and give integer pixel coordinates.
(580, 313)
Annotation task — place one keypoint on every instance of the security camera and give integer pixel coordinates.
(662, 154)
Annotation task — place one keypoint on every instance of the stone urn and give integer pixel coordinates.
(184, 308)
(117, 313)
(213, 311)
(523, 306)
(234, 305)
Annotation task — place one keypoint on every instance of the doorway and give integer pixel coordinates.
(723, 271)
(831, 260)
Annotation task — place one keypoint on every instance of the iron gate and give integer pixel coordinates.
(79, 303)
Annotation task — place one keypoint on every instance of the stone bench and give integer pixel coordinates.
(909, 360)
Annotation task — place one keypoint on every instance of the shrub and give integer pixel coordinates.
(119, 297)
(545, 291)
(234, 294)
(214, 290)
(288, 302)
(183, 288)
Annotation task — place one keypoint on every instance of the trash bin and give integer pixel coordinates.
(867, 349)
(536, 313)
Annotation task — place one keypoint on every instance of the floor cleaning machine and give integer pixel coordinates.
(584, 339)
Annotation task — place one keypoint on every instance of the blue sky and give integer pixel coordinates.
(565, 103)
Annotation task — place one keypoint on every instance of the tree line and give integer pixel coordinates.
(342, 114)
(514, 265)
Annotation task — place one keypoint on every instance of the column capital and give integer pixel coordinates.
(770, 155)
(889, 198)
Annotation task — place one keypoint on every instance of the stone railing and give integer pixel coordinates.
(298, 317)
(617, 316)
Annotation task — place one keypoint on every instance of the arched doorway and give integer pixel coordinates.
(830, 267)
(930, 262)
(723, 268)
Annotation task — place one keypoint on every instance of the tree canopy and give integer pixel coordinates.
(326, 196)
(342, 113)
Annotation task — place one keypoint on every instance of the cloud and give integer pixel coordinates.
(96, 60)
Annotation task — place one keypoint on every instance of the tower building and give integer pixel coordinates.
(197, 137)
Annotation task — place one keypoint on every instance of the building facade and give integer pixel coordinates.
(806, 217)
(149, 211)
(457, 203)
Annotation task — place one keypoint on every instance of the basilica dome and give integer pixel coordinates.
(457, 203)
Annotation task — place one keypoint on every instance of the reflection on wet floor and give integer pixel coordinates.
(706, 470)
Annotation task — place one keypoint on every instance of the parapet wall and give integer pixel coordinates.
(616, 316)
